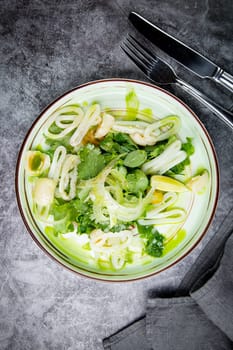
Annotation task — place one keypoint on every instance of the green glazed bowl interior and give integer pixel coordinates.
(111, 94)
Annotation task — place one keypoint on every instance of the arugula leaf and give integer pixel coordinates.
(80, 206)
(154, 240)
(91, 162)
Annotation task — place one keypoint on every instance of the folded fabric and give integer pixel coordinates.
(132, 337)
(201, 320)
(171, 324)
(215, 298)
(208, 261)
(180, 324)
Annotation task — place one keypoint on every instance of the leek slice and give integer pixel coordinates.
(43, 196)
(168, 200)
(43, 191)
(109, 242)
(67, 183)
(173, 216)
(164, 128)
(57, 162)
(170, 157)
(165, 183)
(117, 260)
(36, 163)
(199, 183)
(125, 212)
(91, 118)
(105, 126)
(64, 120)
(130, 127)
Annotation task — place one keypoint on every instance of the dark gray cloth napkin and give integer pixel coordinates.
(200, 313)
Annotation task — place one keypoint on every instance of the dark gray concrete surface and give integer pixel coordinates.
(48, 47)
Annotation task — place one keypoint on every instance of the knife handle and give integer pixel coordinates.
(222, 113)
(225, 79)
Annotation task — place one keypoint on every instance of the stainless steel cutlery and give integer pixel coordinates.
(160, 72)
(188, 57)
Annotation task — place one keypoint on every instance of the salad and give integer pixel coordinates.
(118, 186)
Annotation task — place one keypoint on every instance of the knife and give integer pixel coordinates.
(188, 57)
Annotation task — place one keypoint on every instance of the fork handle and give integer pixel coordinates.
(222, 113)
(225, 79)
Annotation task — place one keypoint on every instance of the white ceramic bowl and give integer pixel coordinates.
(111, 93)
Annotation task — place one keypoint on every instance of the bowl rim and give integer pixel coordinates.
(99, 278)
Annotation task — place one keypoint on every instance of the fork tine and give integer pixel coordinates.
(138, 52)
(142, 49)
(134, 58)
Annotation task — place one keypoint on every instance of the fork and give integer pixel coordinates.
(160, 72)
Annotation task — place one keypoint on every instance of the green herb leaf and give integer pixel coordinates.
(188, 146)
(137, 181)
(84, 211)
(124, 139)
(117, 143)
(189, 149)
(154, 246)
(154, 240)
(158, 148)
(64, 214)
(179, 168)
(107, 143)
(53, 144)
(135, 159)
(91, 162)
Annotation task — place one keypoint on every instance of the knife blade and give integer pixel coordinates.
(183, 54)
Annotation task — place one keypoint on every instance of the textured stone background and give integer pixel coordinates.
(48, 47)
